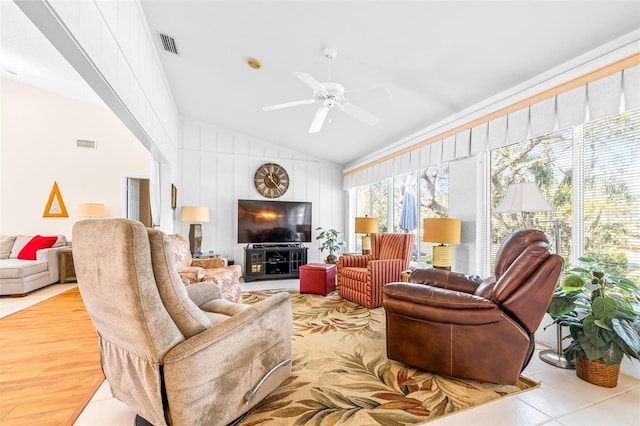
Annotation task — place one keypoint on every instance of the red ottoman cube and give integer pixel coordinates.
(317, 278)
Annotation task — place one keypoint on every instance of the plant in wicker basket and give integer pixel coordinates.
(603, 315)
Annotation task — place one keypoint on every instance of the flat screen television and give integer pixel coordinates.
(261, 221)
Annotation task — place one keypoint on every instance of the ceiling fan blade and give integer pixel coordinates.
(310, 81)
(359, 113)
(318, 119)
(288, 104)
(381, 89)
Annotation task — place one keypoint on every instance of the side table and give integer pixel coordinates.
(67, 270)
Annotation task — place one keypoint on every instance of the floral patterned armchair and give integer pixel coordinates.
(214, 270)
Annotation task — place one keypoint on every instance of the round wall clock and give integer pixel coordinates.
(271, 180)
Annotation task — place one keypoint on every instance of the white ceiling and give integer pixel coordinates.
(435, 59)
(27, 56)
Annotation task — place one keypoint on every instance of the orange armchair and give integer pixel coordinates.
(361, 278)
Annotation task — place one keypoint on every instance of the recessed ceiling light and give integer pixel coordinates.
(254, 63)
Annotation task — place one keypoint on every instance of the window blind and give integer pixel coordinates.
(612, 191)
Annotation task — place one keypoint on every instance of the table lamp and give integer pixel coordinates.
(195, 214)
(524, 198)
(89, 210)
(366, 225)
(442, 230)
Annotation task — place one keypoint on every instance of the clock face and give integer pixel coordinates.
(271, 180)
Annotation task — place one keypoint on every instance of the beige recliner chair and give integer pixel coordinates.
(175, 355)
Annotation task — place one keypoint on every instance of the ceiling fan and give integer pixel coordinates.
(330, 95)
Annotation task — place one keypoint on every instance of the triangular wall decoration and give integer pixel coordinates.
(55, 206)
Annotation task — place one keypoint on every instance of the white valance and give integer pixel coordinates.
(463, 144)
(631, 83)
(436, 153)
(449, 149)
(604, 96)
(518, 125)
(542, 117)
(572, 108)
(425, 156)
(609, 95)
(480, 138)
(498, 132)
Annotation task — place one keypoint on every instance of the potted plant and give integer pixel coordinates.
(331, 241)
(602, 312)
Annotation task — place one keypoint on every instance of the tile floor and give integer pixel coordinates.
(562, 398)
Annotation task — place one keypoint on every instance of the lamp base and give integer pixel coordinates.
(442, 256)
(195, 239)
(557, 360)
(444, 268)
(366, 244)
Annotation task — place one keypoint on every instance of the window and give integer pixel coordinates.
(589, 174)
(402, 202)
(611, 148)
(371, 200)
(434, 202)
(545, 160)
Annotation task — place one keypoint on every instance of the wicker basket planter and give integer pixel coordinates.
(596, 372)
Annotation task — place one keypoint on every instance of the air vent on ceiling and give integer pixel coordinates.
(168, 43)
(80, 143)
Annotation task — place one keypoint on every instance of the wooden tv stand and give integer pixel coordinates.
(273, 261)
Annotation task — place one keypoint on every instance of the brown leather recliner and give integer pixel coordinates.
(464, 326)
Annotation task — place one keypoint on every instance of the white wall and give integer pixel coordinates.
(463, 193)
(110, 45)
(218, 168)
(38, 148)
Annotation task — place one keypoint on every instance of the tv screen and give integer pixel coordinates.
(261, 221)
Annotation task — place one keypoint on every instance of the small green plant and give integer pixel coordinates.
(602, 312)
(331, 241)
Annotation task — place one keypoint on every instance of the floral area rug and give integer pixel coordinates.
(341, 374)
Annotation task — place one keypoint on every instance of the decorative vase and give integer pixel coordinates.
(596, 372)
(332, 259)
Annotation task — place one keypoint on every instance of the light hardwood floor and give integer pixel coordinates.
(49, 363)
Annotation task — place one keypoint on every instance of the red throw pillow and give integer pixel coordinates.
(38, 242)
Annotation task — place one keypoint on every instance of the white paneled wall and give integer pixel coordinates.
(111, 47)
(114, 36)
(218, 167)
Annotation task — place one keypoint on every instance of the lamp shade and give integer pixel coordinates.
(194, 214)
(366, 225)
(442, 230)
(89, 210)
(523, 197)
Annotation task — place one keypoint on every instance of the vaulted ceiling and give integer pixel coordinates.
(408, 63)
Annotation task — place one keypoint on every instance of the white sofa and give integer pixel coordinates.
(19, 276)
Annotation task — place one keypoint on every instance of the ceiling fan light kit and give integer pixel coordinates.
(330, 95)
